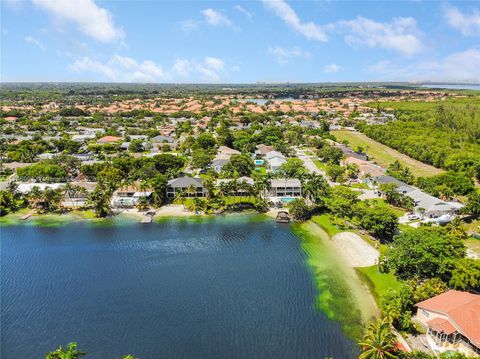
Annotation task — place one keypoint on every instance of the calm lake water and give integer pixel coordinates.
(229, 287)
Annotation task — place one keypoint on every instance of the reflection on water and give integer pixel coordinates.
(230, 287)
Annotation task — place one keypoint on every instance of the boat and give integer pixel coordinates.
(283, 217)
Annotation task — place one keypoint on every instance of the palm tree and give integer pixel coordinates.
(34, 196)
(191, 191)
(99, 199)
(70, 352)
(454, 228)
(379, 341)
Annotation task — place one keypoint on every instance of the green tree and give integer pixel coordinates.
(336, 173)
(70, 352)
(379, 341)
(425, 252)
(299, 210)
(99, 200)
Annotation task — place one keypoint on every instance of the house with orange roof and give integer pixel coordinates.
(452, 320)
(109, 139)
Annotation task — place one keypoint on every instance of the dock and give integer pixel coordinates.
(148, 217)
(27, 216)
(283, 217)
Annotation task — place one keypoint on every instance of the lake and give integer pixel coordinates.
(227, 287)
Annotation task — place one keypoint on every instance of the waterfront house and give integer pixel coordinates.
(242, 184)
(452, 321)
(129, 196)
(285, 187)
(184, 184)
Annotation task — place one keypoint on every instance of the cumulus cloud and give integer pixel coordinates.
(34, 41)
(125, 69)
(91, 19)
(467, 24)
(121, 69)
(332, 68)
(245, 12)
(310, 30)
(284, 55)
(401, 34)
(215, 18)
(460, 66)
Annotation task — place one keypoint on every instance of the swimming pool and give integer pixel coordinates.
(259, 162)
(287, 199)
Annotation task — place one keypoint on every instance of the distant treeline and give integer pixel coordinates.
(445, 135)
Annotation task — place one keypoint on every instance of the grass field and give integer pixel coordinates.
(379, 283)
(325, 222)
(384, 155)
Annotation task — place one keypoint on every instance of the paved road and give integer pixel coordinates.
(311, 166)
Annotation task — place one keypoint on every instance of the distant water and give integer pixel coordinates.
(228, 287)
(263, 101)
(453, 87)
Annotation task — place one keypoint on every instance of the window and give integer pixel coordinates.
(425, 313)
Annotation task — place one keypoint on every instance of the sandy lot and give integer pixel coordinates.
(355, 250)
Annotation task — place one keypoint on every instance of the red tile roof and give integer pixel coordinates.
(462, 310)
(442, 325)
(109, 139)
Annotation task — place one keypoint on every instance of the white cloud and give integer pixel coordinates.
(188, 25)
(310, 30)
(284, 55)
(467, 24)
(121, 69)
(91, 19)
(34, 41)
(125, 69)
(215, 18)
(460, 66)
(401, 34)
(245, 12)
(332, 68)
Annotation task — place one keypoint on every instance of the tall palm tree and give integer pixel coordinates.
(379, 341)
(455, 228)
(191, 191)
(34, 196)
(70, 352)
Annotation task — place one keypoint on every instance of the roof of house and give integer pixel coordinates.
(109, 139)
(401, 186)
(462, 310)
(228, 150)
(219, 162)
(276, 161)
(264, 149)
(442, 325)
(273, 154)
(183, 182)
(239, 180)
(285, 182)
(161, 139)
(428, 202)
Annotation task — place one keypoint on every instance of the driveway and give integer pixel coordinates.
(311, 166)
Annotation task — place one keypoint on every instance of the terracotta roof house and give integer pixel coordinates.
(109, 139)
(453, 321)
(224, 150)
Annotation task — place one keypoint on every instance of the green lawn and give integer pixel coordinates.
(320, 165)
(325, 222)
(384, 155)
(379, 283)
(262, 170)
(360, 185)
(381, 202)
(473, 244)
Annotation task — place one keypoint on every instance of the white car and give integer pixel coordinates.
(413, 217)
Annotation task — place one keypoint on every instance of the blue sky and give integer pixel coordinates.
(239, 41)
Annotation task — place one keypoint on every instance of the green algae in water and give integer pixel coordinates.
(342, 297)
